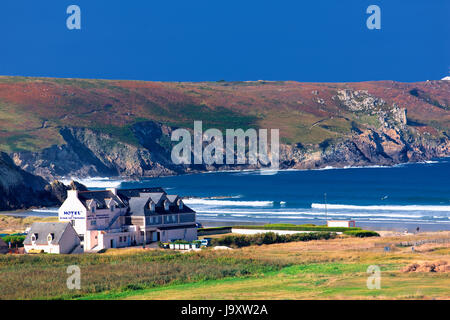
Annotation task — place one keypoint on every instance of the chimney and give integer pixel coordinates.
(72, 193)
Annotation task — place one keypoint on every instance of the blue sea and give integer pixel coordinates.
(400, 197)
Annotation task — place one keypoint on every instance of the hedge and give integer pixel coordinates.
(361, 233)
(239, 241)
(15, 240)
(213, 230)
(293, 227)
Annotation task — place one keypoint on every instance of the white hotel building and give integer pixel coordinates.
(115, 218)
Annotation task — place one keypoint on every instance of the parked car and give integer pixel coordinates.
(164, 245)
(205, 242)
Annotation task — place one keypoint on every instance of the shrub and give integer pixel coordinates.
(181, 242)
(361, 233)
(239, 241)
(15, 240)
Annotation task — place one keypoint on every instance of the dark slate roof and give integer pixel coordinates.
(157, 197)
(101, 197)
(128, 193)
(42, 229)
(3, 244)
(138, 199)
(138, 204)
(172, 198)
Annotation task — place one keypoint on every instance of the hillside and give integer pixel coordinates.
(61, 127)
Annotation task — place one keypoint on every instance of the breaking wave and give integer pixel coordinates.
(382, 208)
(229, 203)
(96, 182)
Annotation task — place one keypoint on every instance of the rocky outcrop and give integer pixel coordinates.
(384, 147)
(20, 189)
(439, 266)
(59, 189)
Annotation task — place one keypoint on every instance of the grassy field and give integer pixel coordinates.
(332, 269)
(325, 269)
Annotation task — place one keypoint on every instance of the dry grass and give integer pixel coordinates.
(12, 224)
(44, 276)
(325, 269)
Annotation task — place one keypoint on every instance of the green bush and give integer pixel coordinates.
(213, 229)
(239, 241)
(15, 240)
(181, 242)
(361, 233)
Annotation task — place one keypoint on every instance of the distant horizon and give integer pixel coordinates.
(220, 80)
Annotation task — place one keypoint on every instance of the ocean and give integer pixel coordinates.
(401, 197)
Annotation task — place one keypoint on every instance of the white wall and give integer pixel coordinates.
(188, 234)
(45, 248)
(73, 210)
(343, 223)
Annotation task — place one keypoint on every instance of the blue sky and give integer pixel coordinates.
(314, 41)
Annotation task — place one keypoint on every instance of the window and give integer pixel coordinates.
(93, 222)
(50, 237)
(120, 239)
(34, 237)
(112, 208)
(93, 209)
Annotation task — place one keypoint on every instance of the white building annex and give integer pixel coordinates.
(115, 218)
(52, 237)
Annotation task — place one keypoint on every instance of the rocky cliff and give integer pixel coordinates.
(20, 189)
(85, 128)
(87, 153)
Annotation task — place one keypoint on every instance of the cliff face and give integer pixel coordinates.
(20, 189)
(87, 153)
(85, 128)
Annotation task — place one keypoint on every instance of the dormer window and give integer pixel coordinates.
(34, 237)
(112, 207)
(93, 209)
(152, 206)
(166, 205)
(50, 237)
(180, 204)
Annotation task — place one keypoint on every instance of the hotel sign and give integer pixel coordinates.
(72, 215)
